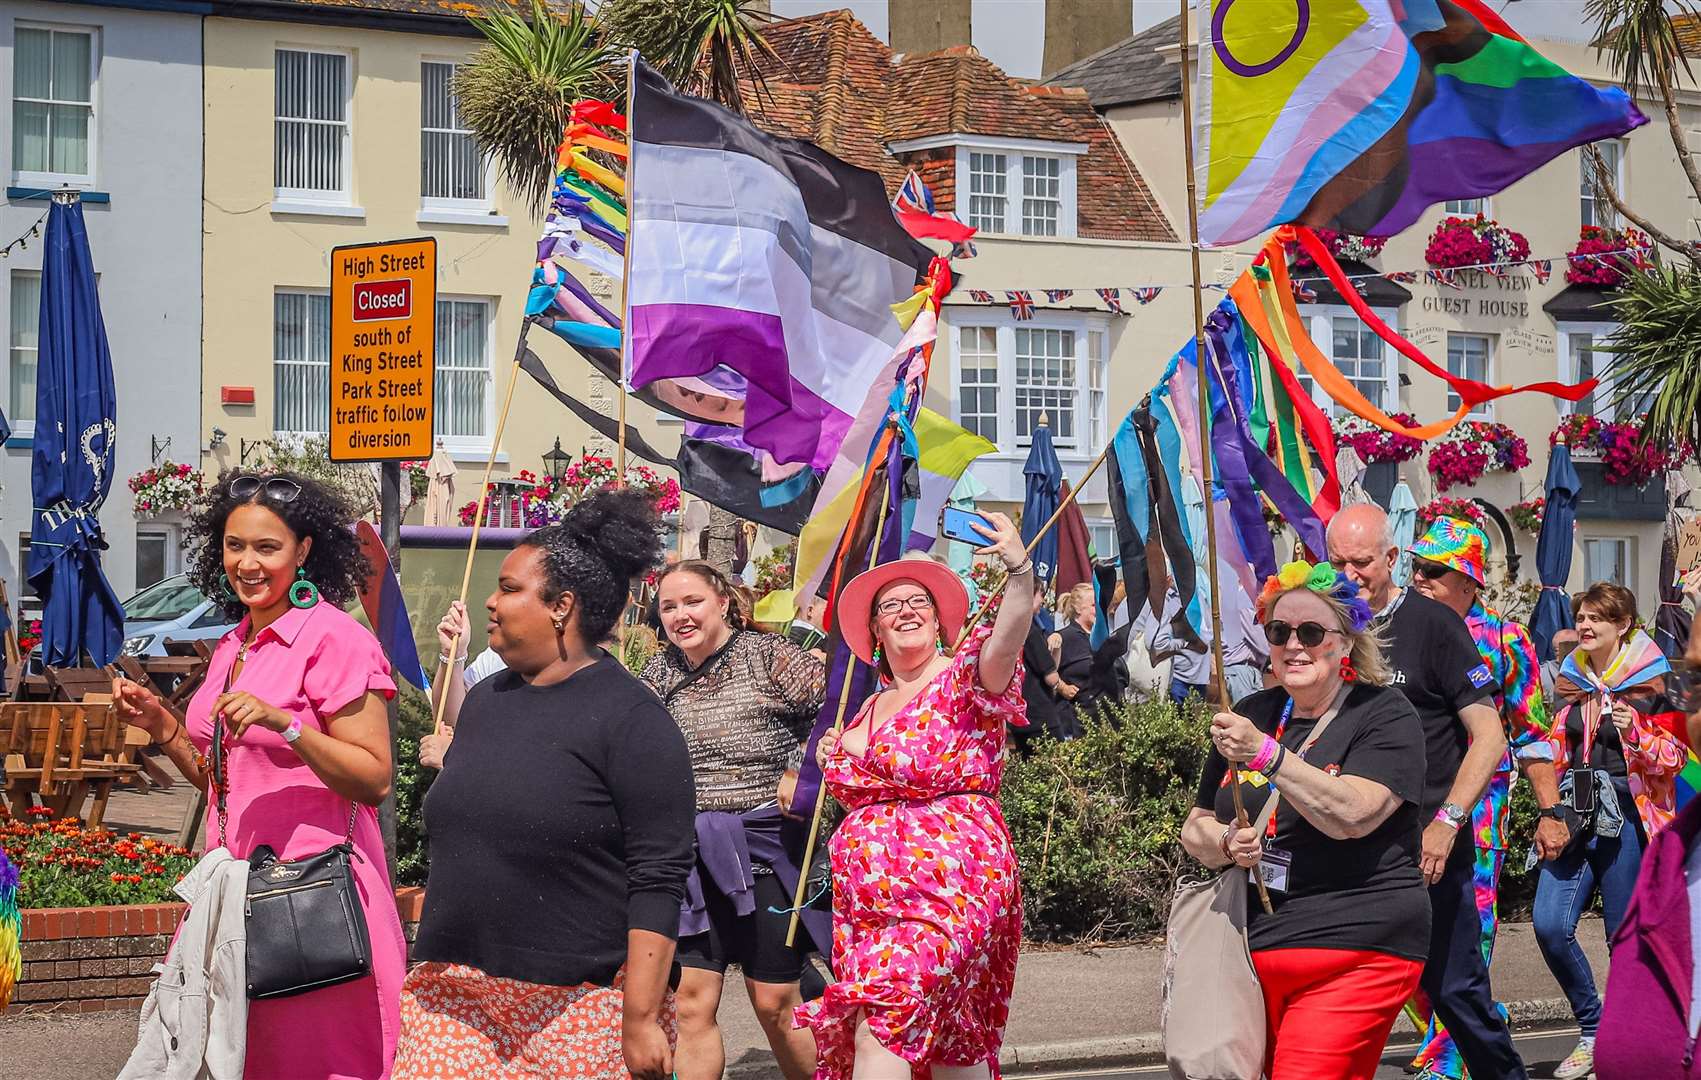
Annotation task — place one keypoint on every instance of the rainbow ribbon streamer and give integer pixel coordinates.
(11, 931)
(587, 223)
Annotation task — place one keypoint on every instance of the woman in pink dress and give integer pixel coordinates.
(927, 911)
(302, 688)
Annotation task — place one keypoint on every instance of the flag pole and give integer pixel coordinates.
(838, 725)
(626, 280)
(447, 670)
(1217, 667)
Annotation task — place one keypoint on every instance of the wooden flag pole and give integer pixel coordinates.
(626, 279)
(447, 670)
(1223, 701)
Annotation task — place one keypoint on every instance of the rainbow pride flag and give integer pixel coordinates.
(1356, 115)
(1688, 781)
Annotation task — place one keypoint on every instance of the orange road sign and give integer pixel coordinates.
(383, 350)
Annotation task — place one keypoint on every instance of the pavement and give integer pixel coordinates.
(1074, 1010)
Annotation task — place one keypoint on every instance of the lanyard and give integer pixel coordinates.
(1316, 732)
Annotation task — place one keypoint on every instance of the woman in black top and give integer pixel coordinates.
(1075, 659)
(561, 831)
(1350, 930)
(1041, 685)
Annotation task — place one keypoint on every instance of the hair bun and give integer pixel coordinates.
(621, 527)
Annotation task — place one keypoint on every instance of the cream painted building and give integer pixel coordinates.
(331, 123)
(1513, 329)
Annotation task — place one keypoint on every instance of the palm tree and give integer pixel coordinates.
(704, 47)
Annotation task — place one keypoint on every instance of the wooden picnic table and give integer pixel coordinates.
(59, 752)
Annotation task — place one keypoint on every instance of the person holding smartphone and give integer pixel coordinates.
(1618, 757)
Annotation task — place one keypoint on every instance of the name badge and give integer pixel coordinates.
(1274, 867)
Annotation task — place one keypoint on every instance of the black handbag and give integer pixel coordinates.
(305, 925)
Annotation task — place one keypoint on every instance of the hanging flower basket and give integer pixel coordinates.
(29, 635)
(1463, 509)
(1373, 444)
(166, 488)
(1627, 460)
(1465, 454)
(544, 501)
(774, 570)
(1342, 246)
(1527, 515)
(1603, 257)
(1460, 242)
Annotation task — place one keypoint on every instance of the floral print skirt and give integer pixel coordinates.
(459, 1023)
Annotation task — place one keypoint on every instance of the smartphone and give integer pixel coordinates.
(1583, 794)
(955, 524)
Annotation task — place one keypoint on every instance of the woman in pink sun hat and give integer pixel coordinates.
(927, 912)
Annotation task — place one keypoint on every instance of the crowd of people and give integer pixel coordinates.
(647, 835)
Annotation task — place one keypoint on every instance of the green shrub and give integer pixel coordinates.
(413, 780)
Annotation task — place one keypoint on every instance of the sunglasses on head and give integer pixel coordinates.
(1433, 571)
(1311, 634)
(276, 488)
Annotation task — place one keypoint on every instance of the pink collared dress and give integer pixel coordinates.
(311, 663)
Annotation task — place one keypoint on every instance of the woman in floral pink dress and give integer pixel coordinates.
(927, 911)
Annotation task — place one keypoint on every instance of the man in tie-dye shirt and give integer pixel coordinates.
(1450, 566)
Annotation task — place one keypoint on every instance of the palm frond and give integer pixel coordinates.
(1646, 54)
(515, 92)
(704, 47)
(1656, 351)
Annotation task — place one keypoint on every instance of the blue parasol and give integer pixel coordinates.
(1553, 550)
(1043, 474)
(72, 460)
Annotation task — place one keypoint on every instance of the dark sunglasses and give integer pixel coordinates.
(1432, 571)
(277, 488)
(1683, 686)
(1311, 634)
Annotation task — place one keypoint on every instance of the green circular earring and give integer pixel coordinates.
(227, 591)
(303, 594)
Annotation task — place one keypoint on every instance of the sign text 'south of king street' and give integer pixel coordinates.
(383, 350)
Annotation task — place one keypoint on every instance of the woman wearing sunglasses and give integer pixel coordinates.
(301, 688)
(1344, 756)
(1618, 758)
(927, 914)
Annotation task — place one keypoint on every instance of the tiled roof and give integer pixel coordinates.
(839, 86)
(454, 11)
(1129, 72)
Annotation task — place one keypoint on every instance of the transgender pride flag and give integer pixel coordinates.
(763, 256)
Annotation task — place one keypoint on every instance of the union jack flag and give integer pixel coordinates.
(1404, 277)
(980, 296)
(1543, 269)
(1495, 271)
(1112, 299)
(1057, 296)
(914, 195)
(1146, 293)
(1021, 305)
(1442, 277)
(1304, 293)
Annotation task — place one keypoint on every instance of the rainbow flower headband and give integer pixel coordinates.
(1321, 578)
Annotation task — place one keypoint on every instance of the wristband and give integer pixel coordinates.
(1228, 831)
(443, 658)
(1275, 765)
(293, 732)
(1026, 567)
(1266, 754)
(1453, 815)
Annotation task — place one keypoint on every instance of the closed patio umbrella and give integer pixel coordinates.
(1553, 550)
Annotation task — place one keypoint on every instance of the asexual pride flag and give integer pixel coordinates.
(763, 255)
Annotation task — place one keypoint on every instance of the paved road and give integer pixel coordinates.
(1541, 1050)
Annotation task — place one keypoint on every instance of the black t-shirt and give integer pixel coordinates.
(1365, 893)
(1437, 666)
(564, 816)
(1036, 665)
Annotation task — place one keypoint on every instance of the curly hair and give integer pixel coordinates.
(335, 563)
(595, 552)
(1368, 650)
(737, 616)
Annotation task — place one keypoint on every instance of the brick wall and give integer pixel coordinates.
(102, 959)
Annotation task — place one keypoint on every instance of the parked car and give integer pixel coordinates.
(172, 609)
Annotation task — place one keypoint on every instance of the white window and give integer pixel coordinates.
(301, 362)
(1467, 207)
(463, 372)
(1019, 187)
(1007, 375)
(53, 79)
(1583, 354)
(451, 173)
(1105, 545)
(156, 555)
(21, 361)
(1357, 350)
(1042, 195)
(311, 127)
(1609, 558)
(989, 176)
(1470, 356)
(977, 379)
(1596, 209)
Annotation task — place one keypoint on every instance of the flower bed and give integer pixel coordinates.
(1463, 509)
(63, 864)
(1460, 242)
(1602, 257)
(1626, 458)
(1372, 443)
(165, 488)
(1473, 448)
(1527, 515)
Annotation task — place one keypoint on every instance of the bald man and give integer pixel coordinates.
(1437, 666)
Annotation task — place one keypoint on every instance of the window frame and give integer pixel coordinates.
(484, 205)
(1584, 172)
(172, 562)
(1320, 320)
(344, 196)
(1087, 441)
(1014, 152)
(1626, 543)
(1487, 210)
(1484, 410)
(286, 434)
(469, 444)
(21, 428)
(38, 179)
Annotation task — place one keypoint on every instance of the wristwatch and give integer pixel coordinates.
(1558, 812)
(293, 732)
(1452, 813)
